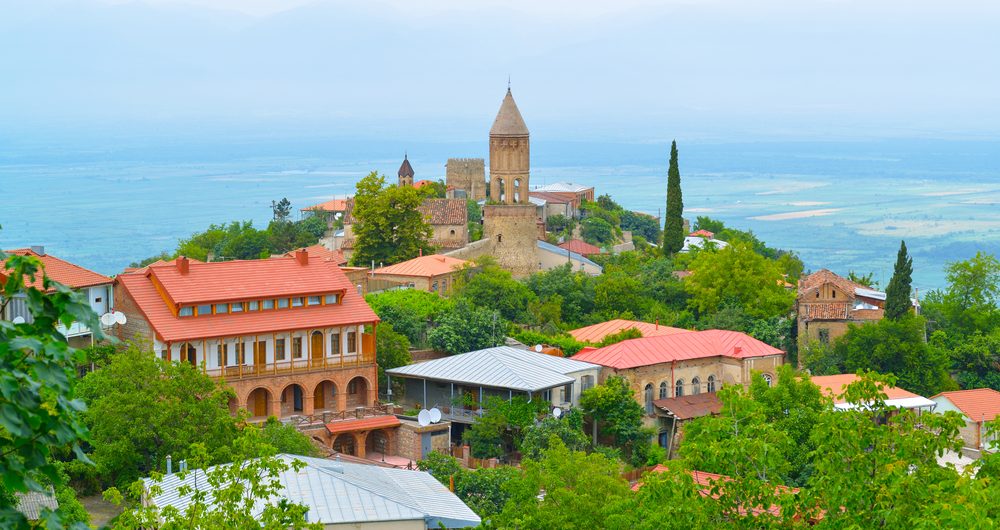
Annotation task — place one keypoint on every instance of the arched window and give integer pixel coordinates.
(679, 388)
(768, 379)
(501, 190)
(710, 384)
(649, 398)
(517, 190)
(695, 386)
(664, 388)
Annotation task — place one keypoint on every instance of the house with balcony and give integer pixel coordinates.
(290, 335)
(459, 385)
(95, 287)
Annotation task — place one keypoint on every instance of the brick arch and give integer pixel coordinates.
(364, 397)
(329, 392)
(257, 406)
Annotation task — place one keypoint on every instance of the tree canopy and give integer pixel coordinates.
(673, 228)
(897, 295)
(388, 227)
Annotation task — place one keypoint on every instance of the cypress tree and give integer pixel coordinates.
(673, 226)
(897, 295)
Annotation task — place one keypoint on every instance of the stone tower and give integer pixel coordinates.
(405, 173)
(509, 155)
(466, 178)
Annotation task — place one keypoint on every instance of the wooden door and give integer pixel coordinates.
(260, 404)
(259, 354)
(317, 346)
(318, 400)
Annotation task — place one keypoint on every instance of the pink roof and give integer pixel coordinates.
(423, 266)
(321, 253)
(580, 247)
(596, 333)
(365, 424)
(243, 280)
(647, 351)
(703, 233)
(980, 404)
(834, 385)
(335, 205)
(64, 272)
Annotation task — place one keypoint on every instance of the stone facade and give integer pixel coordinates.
(512, 232)
(827, 304)
(509, 173)
(413, 439)
(466, 178)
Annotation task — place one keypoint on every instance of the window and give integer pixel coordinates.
(695, 386)
(434, 286)
(186, 311)
(221, 309)
(352, 387)
(586, 382)
(283, 303)
(768, 379)
(679, 388)
(824, 336)
(164, 354)
(205, 310)
(452, 231)
(297, 347)
(313, 300)
(297, 301)
(253, 305)
(335, 343)
(352, 342)
(649, 398)
(222, 354)
(664, 388)
(269, 304)
(710, 385)
(331, 299)
(834, 294)
(279, 349)
(237, 307)
(241, 349)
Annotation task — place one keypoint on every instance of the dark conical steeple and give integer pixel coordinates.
(405, 169)
(509, 121)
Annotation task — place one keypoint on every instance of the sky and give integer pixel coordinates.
(627, 70)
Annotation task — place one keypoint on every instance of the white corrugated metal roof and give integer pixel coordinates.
(549, 247)
(499, 367)
(869, 293)
(564, 187)
(904, 403)
(342, 492)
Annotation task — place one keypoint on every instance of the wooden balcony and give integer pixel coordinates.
(365, 357)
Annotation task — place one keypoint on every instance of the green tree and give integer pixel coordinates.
(739, 274)
(410, 311)
(976, 359)
(597, 231)
(281, 209)
(433, 189)
(285, 438)
(642, 225)
(487, 490)
(388, 227)
(392, 350)
(575, 290)
(615, 338)
(441, 466)
(142, 409)
(558, 223)
(616, 415)
(500, 429)
(970, 303)
(866, 279)
(897, 295)
(703, 222)
(466, 328)
(568, 428)
(487, 285)
(673, 229)
(235, 496)
(39, 411)
(475, 213)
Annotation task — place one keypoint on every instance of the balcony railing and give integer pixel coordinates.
(301, 365)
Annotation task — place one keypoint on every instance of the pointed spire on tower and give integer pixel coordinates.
(405, 169)
(509, 121)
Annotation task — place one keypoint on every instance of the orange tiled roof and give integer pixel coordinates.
(822, 276)
(580, 247)
(445, 211)
(62, 271)
(596, 333)
(833, 385)
(321, 253)
(243, 280)
(335, 205)
(423, 266)
(647, 351)
(702, 233)
(364, 424)
(980, 404)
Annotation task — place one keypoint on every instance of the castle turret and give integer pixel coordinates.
(405, 173)
(509, 166)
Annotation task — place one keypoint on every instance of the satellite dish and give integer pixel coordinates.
(557, 412)
(424, 418)
(435, 415)
(108, 319)
(538, 348)
(18, 320)
(120, 318)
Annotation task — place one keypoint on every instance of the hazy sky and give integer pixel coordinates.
(630, 70)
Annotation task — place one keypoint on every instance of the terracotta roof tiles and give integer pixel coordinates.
(580, 247)
(647, 351)
(423, 266)
(334, 205)
(62, 271)
(980, 404)
(596, 333)
(445, 211)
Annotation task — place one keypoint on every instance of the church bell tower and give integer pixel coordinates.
(509, 167)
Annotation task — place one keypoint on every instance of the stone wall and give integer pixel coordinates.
(136, 327)
(468, 175)
(512, 232)
(411, 435)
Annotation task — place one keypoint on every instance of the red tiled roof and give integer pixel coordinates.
(322, 253)
(335, 205)
(423, 266)
(243, 280)
(834, 385)
(823, 276)
(689, 407)
(980, 404)
(364, 424)
(445, 211)
(64, 272)
(421, 183)
(702, 233)
(678, 347)
(596, 333)
(580, 247)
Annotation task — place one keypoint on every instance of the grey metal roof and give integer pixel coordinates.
(32, 503)
(499, 367)
(869, 293)
(549, 247)
(341, 492)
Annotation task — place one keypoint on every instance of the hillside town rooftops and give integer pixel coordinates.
(980, 404)
(580, 247)
(423, 266)
(444, 211)
(319, 252)
(499, 367)
(646, 351)
(62, 271)
(834, 385)
(343, 493)
(596, 332)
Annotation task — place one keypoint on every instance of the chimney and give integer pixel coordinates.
(170, 465)
(183, 265)
(38, 249)
(421, 253)
(657, 323)
(737, 350)
(302, 256)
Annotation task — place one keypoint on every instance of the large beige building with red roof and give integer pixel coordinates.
(96, 287)
(291, 335)
(828, 303)
(434, 273)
